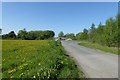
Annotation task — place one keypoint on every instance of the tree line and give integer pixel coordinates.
(30, 35)
(108, 34)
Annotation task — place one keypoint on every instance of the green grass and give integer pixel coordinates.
(113, 50)
(0, 59)
(36, 59)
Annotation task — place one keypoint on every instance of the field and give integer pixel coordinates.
(0, 58)
(36, 59)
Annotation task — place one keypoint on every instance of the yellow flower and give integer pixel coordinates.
(34, 77)
(39, 64)
(13, 70)
(11, 76)
(3, 59)
(62, 62)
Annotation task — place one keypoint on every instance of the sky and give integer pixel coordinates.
(69, 17)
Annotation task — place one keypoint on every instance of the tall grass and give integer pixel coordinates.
(36, 59)
(113, 50)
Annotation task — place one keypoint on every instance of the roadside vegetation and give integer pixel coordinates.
(113, 50)
(44, 59)
(104, 37)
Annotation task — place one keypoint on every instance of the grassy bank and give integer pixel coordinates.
(113, 50)
(36, 59)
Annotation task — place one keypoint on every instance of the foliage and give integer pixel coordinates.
(78, 35)
(0, 31)
(22, 34)
(10, 35)
(61, 34)
(106, 35)
(31, 35)
(70, 35)
(83, 35)
(92, 33)
(36, 59)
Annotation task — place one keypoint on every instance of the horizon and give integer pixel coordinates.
(69, 17)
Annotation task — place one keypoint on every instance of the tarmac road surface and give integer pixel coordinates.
(94, 63)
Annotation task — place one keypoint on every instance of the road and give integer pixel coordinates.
(94, 63)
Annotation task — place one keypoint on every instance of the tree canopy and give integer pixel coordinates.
(61, 34)
(108, 34)
(70, 35)
(30, 35)
(10, 35)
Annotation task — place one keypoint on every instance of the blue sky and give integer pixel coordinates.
(68, 17)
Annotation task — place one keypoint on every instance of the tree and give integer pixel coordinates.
(39, 35)
(118, 29)
(78, 35)
(85, 34)
(108, 34)
(92, 33)
(100, 31)
(82, 35)
(0, 31)
(12, 35)
(70, 35)
(93, 26)
(4, 36)
(22, 34)
(111, 32)
(48, 34)
(30, 36)
(61, 34)
(85, 31)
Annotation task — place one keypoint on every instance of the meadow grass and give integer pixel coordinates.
(0, 59)
(36, 59)
(113, 50)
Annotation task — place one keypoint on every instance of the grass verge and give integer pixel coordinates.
(112, 50)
